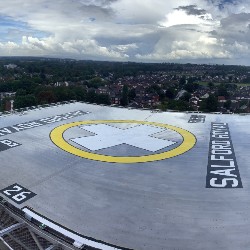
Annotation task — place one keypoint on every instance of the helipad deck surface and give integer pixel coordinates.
(132, 178)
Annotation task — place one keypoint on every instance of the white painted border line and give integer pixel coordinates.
(80, 241)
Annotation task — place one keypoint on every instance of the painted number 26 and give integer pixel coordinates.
(21, 195)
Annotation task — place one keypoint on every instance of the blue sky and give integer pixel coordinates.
(197, 31)
(11, 30)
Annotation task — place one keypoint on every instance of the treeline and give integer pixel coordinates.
(73, 70)
(45, 95)
(35, 81)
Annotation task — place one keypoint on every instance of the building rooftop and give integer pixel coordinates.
(130, 178)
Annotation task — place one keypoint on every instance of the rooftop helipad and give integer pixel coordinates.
(132, 178)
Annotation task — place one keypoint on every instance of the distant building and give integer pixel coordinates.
(221, 99)
(10, 66)
(7, 95)
(59, 84)
(103, 90)
(180, 94)
(115, 99)
(205, 96)
(9, 105)
(194, 102)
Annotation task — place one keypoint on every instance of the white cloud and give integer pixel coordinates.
(201, 48)
(31, 46)
(150, 30)
(178, 17)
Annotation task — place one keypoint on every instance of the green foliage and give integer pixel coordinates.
(80, 93)
(222, 90)
(2, 104)
(179, 105)
(93, 97)
(33, 80)
(191, 87)
(192, 79)
(210, 104)
(124, 99)
(96, 82)
(227, 104)
(182, 80)
(154, 89)
(25, 101)
(5, 87)
(186, 97)
(131, 94)
(247, 80)
(103, 99)
(170, 93)
(46, 96)
(64, 94)
(211, 85)
(21, 92)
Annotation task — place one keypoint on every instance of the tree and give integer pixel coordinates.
(211, 85)
(47, 96)
(64, 94)
(21, 92)
(179, 105)
(25, 101)
(96, 82)
(186, 97)
(91, 96)
(191, 87)
(222, 90)
(210, 104)
(80, 93)
(131, 94)
(124, 99)
(170, 93)
(103, 99)
(227, 104)
(182, 80)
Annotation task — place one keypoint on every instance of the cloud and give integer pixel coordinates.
(178, 44)
(149, 30)
(236, 21)
(192, 10)
(80, 47)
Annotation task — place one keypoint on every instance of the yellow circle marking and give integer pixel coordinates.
(56, 136)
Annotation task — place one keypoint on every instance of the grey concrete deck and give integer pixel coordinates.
(161, 204)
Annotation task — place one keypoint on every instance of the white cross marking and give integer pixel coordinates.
(107, 136)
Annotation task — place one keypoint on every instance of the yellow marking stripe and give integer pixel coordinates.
(56, 136)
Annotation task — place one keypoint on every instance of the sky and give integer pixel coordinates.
(183, 31)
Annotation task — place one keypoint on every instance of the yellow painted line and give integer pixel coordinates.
(57, 138)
